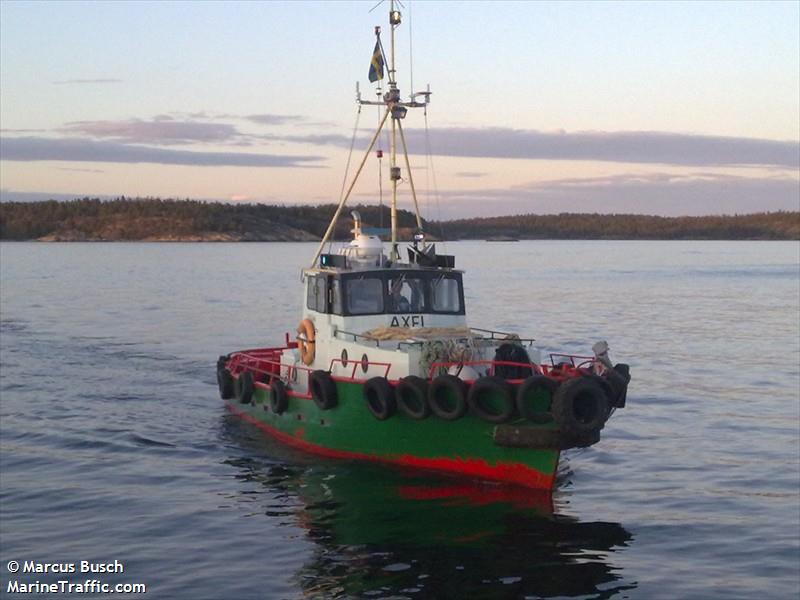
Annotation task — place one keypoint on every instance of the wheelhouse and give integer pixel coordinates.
(385, 291)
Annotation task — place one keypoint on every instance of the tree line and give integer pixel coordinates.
(779, 225)
(155, 218)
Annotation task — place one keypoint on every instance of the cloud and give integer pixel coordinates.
(320, 139)
(7, 195)
(80, 170)
(274, 119)
(195, 128)
(296, 120)
(628, 147)
(470, 174)
(654, 194)
(83, 81)
(82, 150)
(651, 194)
(161, 130)
(620, 146)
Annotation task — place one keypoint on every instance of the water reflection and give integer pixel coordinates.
(382, 532)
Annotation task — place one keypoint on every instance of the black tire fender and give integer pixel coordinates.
(491, 399)
(619, 379)
(379, 396)
(447, 397)
(535, 397)
(411, 394)
(224, 379)
(580, 406)
(323, 389)
(278, 398)
(245, 387)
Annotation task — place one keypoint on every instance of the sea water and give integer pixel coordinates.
(115, 448)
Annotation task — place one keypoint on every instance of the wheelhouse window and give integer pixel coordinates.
(336, 293)
(364, 295)
(317, 294)
(397, 292)
(407, 294)
(445, 294)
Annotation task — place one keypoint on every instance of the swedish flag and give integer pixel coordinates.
(376, 64)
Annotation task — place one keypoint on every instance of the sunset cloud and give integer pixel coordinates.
(86, 81)
(655, 193)
(82, 150)
(621, 146)
(163, 129)
(194, 128)
(274, 119)
(80, 170)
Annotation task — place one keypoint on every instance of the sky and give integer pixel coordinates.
(665, 108)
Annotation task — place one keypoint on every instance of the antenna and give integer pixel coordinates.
(410, 53)
(397, 109)
(381, 2)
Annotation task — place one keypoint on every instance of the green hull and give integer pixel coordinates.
(464, 447)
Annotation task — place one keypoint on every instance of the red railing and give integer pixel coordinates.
(267, 363)
(437, 367)
(566, 369)
(358, 363)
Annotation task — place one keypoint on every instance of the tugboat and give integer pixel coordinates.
(385, 368)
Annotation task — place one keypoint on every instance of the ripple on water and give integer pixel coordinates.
(114, 444)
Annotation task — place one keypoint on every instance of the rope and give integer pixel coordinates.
(347, 166)
(380, 176)
(448, 351)
(410, 52)
(435, 184)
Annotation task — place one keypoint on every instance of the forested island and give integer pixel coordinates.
(154, 219)
(760, 226)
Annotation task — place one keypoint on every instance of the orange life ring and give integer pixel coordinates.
(305, 341)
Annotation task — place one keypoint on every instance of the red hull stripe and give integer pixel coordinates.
(472, 467)
(481, 494)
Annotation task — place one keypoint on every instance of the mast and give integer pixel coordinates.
(397, 109)
(394, 171)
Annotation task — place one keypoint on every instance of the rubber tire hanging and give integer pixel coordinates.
(486, 389)
(580, 406)
(535, 385)
(224, 379)
(244, 387)
(323, 389)
(278, 398)
(379, 397)
(411, 394)
(447, 397)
